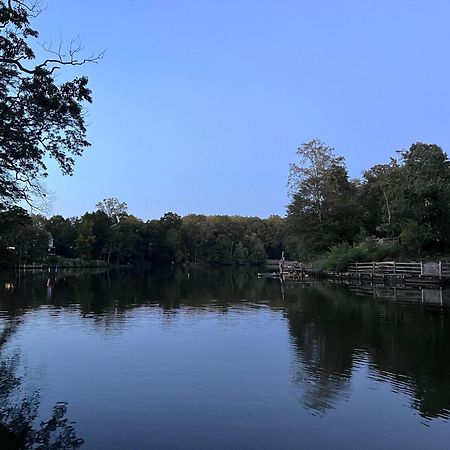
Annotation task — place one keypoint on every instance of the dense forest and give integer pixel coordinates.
(399, 209)
(111, 235)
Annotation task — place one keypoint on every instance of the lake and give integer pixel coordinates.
(219, 359)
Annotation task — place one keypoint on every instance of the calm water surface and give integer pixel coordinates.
(215, 359)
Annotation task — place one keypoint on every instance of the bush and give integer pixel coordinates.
(340, 256)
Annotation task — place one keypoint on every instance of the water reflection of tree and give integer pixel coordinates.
(331, 328)
(108, 295)
(405, 344)
(18, 412)
(324, 351)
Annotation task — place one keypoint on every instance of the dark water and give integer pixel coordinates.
(213, 359)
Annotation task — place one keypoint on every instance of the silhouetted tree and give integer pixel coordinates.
(323, 210)
(114, 209)
(39, 117)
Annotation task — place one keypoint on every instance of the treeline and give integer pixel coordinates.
(399, 209)
(396, 210)
(112, 235)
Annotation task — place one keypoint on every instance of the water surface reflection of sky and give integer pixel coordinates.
(224, 360)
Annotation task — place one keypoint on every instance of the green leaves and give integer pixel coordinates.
(38, 116)
(323, 211)
(407, 199)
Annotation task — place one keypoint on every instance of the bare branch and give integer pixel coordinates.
(60, 61)
(34, 8)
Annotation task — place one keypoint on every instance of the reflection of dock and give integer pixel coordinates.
(436, 295)
(31, 267)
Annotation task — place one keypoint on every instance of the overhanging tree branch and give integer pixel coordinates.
(38, 116)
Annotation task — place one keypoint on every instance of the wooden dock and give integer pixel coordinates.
(408, 272)
(385, 272)
(292, 270)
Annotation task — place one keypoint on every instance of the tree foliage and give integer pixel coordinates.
(39, 117)
(170, 240)
(406, 201)
(401, 208)
(114, 209)
(323, 210)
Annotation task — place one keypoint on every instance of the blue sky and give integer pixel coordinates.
(199, 106)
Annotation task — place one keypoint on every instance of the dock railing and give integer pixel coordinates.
(421, 269)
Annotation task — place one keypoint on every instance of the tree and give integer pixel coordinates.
(171, 236)
(422, 204)
(377, 193)
(85, 239)
(308, 178)
(256, 252)
(39, 118)
(127, 240)
(272, 236)
(171, 220)
(114, 209)
(64, 235)
(13, 223)
(221, 249)
(323, 210)
(194, 235)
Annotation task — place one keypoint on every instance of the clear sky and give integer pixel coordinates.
(199, 105)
